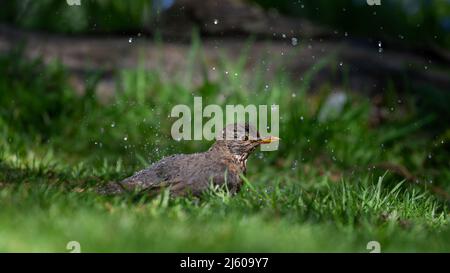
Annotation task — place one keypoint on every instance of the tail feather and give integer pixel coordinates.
(111, 188)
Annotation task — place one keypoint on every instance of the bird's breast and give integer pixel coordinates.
(242, 161)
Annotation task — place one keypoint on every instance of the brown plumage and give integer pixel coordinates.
(192, 174)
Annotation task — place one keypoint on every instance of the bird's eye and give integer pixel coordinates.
(246, 137)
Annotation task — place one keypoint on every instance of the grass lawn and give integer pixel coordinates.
(338, 180)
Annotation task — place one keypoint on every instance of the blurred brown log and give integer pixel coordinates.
(293, 45)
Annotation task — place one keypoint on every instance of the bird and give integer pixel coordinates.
(192, 174)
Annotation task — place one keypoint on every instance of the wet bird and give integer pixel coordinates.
(192, 174)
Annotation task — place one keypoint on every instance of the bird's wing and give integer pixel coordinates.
(159, 175)
(183, 174)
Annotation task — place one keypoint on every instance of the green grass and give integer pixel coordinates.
(324, 190)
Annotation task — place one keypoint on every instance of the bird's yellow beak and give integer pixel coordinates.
(269, 139)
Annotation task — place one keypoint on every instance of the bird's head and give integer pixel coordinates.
(241, 139)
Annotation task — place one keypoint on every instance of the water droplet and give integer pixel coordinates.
(302, 118)
(294, 41)
(380, 48)
(130, 40)
(294, 165)
(216, 21)
(125, 138)
(113, 125)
